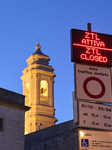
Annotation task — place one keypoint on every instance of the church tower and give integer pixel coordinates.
(38, 82)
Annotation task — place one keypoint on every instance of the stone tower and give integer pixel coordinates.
(38, 82)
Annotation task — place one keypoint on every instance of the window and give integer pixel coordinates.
(1, 123)
(43, 88)
(43, 91)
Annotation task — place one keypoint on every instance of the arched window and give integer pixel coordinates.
(44, 88)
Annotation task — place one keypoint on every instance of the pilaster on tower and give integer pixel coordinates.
(38, 87)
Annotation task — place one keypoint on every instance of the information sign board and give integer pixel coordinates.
(93, 83)
(93, 115)
(94, 140)
(91, 47)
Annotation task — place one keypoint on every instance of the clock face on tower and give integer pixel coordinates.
(44, 88)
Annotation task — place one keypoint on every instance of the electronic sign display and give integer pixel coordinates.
(91, 47)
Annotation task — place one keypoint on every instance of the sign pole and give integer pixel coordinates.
(92, 54)
(89, 27)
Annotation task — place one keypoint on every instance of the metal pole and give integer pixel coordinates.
(89, 27)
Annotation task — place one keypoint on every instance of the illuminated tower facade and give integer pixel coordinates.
(38, 82)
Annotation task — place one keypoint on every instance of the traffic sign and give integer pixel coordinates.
(91, 47)
(94, 140)
(93, 115)
(93, 83)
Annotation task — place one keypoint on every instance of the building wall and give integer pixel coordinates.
(11, 96)
(12, 137)
(58, 137)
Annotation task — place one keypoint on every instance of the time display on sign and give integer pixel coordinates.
(95, 115)
(89, 47)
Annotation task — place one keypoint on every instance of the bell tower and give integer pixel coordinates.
(38, 83)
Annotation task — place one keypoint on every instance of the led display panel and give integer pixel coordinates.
(91, 47)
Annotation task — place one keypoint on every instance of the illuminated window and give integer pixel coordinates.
(44, 88)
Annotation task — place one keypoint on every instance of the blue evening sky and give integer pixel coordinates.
(23, 21)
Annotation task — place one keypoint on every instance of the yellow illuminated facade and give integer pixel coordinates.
(27, 90)
(38, 82)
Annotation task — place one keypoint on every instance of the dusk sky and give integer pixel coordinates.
(22, 22)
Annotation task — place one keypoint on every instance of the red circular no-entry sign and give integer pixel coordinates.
(88, 93)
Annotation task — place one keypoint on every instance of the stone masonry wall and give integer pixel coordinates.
(12, 136)
(58, 137)
(12, 96)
